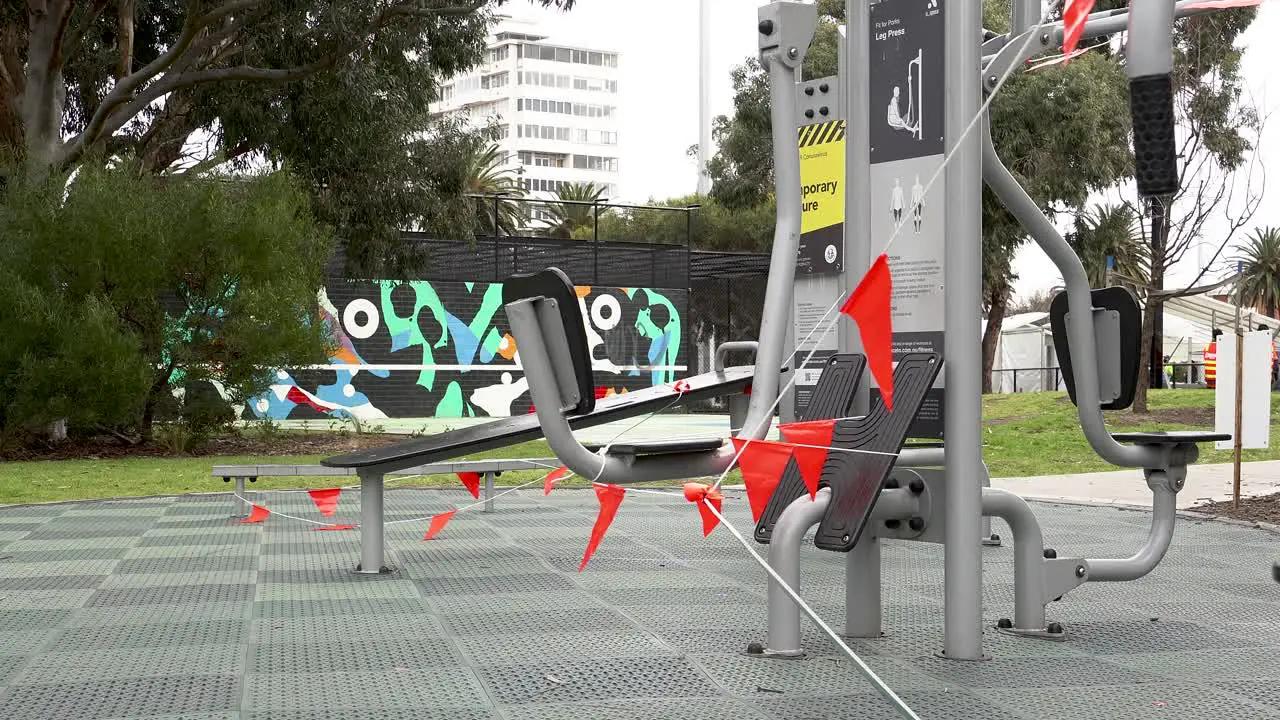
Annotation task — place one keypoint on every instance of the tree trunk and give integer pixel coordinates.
(1144, 358)
(125, 41)
(45, 94)
(998, 302)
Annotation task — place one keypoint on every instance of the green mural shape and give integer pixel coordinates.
(489, 307)
(424, 296)
(491, 342)
(645, 326)
(451, 405)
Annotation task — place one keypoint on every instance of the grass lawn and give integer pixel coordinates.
(1025, 434)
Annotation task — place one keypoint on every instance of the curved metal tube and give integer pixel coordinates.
(1080, 330)
(1164, 513)
(784, 558)
(732, 346)
(786, 243)
(1028, 554)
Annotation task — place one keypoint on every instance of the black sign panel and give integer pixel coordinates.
(821, 252)
(907, 75)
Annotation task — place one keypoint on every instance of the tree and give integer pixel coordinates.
(338, 91)
(575, 209)
(1258, 285)
(1109, 230)
(709, 225)
(486, 176)
(1217, 127)
(157, 284)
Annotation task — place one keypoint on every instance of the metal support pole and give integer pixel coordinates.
(784, 557)
(370, 524)
(1028, 549)
(704, 96)
(1238, 431)
(862, 596)
(242, 510)
(857, 186)
(962, 623)
(488, 491)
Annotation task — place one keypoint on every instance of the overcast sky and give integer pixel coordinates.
(657, 40)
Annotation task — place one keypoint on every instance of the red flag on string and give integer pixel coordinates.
(1074, 17)
(338, 527)
(326, 500)
(610, 497)
(696, 493)
(762, 463)
(809, 432)
(811, 460)
(471, 480)
(869, 307)
(437, 523)
(258, 515)
(552, 478)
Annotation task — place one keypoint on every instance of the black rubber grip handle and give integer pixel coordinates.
(1155, 151)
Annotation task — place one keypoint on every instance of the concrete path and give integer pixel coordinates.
(1127, 487)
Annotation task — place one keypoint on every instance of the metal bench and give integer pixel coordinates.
(488, 469)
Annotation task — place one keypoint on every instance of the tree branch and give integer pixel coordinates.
(73, 39)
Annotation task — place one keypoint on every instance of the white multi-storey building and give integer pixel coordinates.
(556, 107)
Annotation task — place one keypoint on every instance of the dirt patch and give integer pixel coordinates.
(991, 422)
(106, 448)
(1265, 508)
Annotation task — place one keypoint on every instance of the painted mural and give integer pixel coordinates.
(445, 349)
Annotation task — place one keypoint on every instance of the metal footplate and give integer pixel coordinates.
(856, 478)
(833, 398)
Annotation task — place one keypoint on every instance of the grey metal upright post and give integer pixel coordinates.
(862, 596)
(488, 491)
(857, 198)
(962, 616)
(370, 523)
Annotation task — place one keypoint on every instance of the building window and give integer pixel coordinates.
(497, 54)
(544, 132)
(539, 159)
(531, 184)
(496, 80)
(593, 162)
(561, 107)
(567, 55)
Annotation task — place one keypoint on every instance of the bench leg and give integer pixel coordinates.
(242, 509)
(488, 492)
(371, 529)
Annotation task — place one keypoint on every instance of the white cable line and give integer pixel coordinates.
(866, 669)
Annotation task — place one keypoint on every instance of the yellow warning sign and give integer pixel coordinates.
(822, 175)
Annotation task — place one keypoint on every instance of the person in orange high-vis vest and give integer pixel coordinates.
(1211, 361)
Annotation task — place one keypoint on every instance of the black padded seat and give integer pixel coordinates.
(662, 447)
(1173, 437)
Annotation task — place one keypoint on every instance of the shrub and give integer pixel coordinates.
(121, 287)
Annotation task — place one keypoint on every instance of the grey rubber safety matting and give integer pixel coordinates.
(167, 608)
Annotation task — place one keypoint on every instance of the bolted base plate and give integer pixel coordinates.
(384, 570)
(1035, 634)
(758, 650)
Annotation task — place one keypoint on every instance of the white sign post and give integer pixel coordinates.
(1255, 408)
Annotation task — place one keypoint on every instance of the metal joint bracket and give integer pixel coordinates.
(786, 29)
(1173, 479)
(1062, 575)
(1012, 54)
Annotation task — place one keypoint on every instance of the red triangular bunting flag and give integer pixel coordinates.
(552, 478)
(338, 527)
(1074, 17)
(809, 432)
(471, 480)
(437, 523)
(258, 515)
(869, 307)
(762, 463)
(326, 500)
(811, 461)
(696, 493)
(610, 497)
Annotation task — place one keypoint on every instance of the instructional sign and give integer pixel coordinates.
(822, 193)
(908, 144)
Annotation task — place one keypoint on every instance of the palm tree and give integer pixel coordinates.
(575, 208)
(1259, 282)
(486, 176)
(1109, 230)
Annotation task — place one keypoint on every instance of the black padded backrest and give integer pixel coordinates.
(553, 284)
(856, 479)
(1125, 304)
(832, 398)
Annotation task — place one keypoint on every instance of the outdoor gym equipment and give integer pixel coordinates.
(879, 489)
